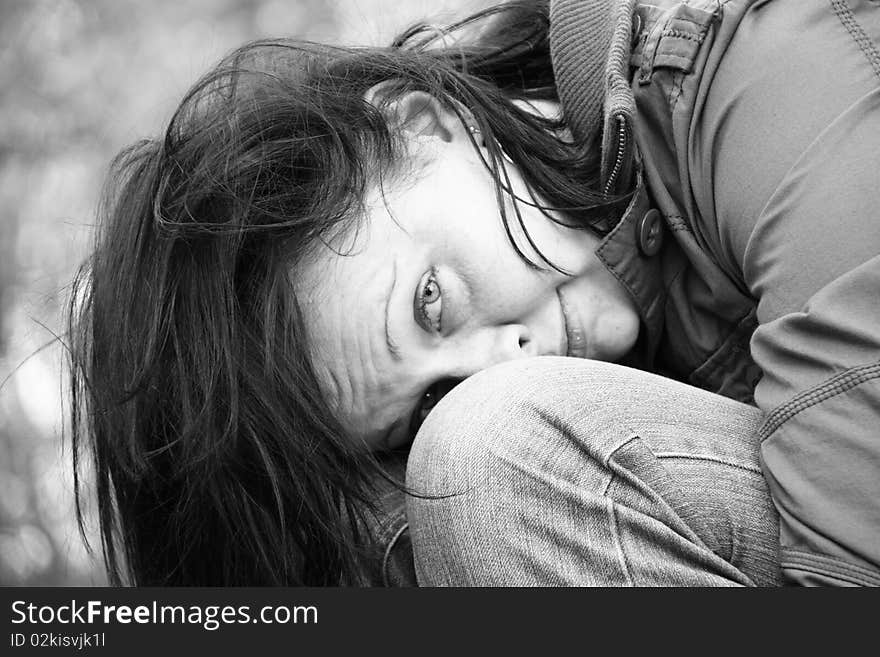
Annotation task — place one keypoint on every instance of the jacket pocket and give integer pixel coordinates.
(730, 370)
(671, 39)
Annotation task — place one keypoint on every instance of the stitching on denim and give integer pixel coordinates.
(606, 462)
(830, 566)
(618, 470)
(830, 388)
(706, 457)
(736, 544)
(864, 42)
(387, 556)
(621, 555)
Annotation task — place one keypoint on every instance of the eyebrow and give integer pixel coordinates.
(392, 345)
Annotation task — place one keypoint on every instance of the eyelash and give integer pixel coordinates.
(431, 278)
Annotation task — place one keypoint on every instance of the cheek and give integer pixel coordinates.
(619, 333)
(608, 314)
(616, 323)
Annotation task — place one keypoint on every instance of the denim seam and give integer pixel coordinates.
(610, 466)
(606, 462)
(863, 41)
(702, 457)
(610, 507)
(387, 556)
(829, 566)
(829, 388)
(616, 470)
(621, 555)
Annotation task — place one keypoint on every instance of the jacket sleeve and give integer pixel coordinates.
(813, 263)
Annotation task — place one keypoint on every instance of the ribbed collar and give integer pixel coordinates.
(590, 49)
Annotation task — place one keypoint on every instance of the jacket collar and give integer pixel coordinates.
(590, 49)
(590, 43)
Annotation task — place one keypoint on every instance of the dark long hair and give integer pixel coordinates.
(216, 459)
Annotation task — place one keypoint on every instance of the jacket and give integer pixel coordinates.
(748, 132)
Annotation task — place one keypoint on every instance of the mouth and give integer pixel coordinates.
(576, 343)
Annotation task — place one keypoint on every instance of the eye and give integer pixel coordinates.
(428, 402)
(428, 302)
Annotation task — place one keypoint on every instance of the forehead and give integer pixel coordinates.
(343, 265)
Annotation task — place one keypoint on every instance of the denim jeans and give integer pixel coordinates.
(568, 472)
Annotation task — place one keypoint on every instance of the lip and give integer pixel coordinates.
(576, 343)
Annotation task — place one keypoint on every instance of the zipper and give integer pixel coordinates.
(620, 153)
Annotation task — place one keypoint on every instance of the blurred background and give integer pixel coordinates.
(80, 79)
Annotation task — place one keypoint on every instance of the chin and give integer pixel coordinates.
(616, 339)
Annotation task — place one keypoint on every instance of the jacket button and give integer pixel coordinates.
(649, 232)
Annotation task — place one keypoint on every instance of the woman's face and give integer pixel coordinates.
(431, 291)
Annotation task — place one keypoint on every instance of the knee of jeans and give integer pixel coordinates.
(457, 473)
(514, 413)
(493, 458)
(453, 438)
